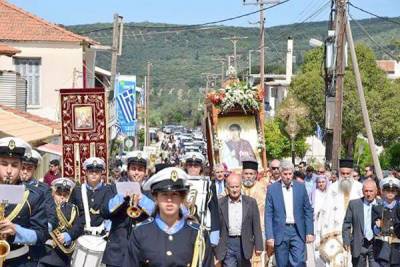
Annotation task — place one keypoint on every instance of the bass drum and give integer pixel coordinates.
(88, 251)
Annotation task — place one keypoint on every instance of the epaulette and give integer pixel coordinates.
(193, 225)
(147, 221)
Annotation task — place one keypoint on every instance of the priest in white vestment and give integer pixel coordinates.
(329, 223)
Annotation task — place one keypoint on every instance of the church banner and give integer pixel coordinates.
(84, 134)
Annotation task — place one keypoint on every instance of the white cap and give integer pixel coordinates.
(63, 182)
(389, 182)
(34, 157)
(194, 156)
(14, 147)
(94, 163)
(174, 178)
(137, 157)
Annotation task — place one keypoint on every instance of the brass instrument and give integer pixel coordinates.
(191, 202)
(133, 210)
(4, 246)
(63, 226)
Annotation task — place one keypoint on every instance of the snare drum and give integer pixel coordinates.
(88, 251)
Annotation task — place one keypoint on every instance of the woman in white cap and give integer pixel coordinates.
(167, 238)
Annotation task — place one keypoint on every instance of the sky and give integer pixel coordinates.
(74, 12)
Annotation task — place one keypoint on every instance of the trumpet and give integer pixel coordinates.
(133, 210)
(4, 246)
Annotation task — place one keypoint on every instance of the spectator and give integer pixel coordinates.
(219, 175)
(356, 173)
(333, 177)
(275, 171)
(53, 172)
(299, 176)
(309, 179)
(302, 167)
(241, 231)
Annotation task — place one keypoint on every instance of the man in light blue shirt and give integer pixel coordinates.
(357, 230)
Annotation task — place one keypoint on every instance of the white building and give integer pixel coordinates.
(390, 67)
(50, 58)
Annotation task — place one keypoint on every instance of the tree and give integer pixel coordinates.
(277, 144)
(381, 96)
(390, 158)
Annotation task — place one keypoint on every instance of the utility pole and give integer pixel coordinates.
(261, 4)
(222, 60)
(234, 39)
(364, 110)
(116, 50)
(147, 105)
(341, 18)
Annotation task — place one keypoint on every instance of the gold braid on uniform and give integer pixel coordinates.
(199, 249)
(19, 207)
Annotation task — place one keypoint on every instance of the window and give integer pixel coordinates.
(29, 68)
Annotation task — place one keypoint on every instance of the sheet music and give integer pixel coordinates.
(128, 188)
(11, 194)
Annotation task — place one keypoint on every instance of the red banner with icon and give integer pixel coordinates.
(84, 129)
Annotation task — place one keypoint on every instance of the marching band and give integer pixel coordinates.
(94, 224)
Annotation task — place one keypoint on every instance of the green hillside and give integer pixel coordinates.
(180, 57)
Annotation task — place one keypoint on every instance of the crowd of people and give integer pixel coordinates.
(284, 216)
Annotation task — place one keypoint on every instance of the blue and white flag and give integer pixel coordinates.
(126, 103)
(125, 97)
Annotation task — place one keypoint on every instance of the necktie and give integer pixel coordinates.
(219, 188)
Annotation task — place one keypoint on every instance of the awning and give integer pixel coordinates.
(29, 127)
(51, 148)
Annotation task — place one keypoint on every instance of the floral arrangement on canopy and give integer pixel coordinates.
(237, 94)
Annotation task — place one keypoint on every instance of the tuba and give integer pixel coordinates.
(4, 246)
(133, 210)
(63, 225)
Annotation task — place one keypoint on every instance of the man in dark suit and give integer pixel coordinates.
(357, 230)
(288, 219)
(240, 226)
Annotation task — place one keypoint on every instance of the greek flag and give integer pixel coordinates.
(126, 103)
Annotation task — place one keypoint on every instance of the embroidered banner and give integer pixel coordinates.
(84, 133)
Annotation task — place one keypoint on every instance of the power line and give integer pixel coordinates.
(190, 26)
(375, 15)
(373, 40)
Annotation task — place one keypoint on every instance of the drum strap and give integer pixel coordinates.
(85, 206)
(88, 227)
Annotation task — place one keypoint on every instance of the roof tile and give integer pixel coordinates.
(17, 24)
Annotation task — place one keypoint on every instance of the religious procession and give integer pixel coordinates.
(120, 145)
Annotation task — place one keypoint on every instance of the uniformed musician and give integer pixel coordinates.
(23, 224)
(30, 162)
(167, 238)
(116, 207)
(387, 235)
(194, 164)
(59, 253)
(89, 198)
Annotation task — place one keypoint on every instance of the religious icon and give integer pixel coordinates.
(83, 117)
(238, 135)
